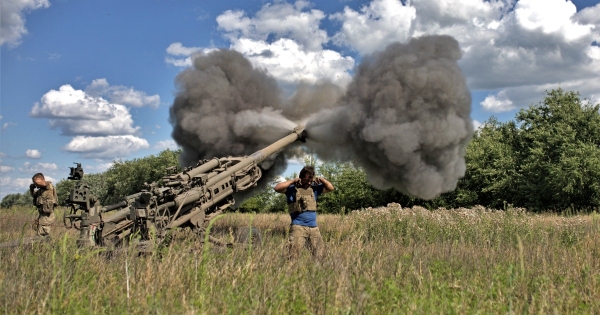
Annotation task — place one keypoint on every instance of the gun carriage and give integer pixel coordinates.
(190, 198)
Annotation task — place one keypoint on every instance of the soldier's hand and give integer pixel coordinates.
(317, 180)
(32, 187)
(297, 180)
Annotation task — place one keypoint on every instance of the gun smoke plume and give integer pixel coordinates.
(405, 117)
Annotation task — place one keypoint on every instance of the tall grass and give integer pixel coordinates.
(379, 261)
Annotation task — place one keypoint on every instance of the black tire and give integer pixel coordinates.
(245, 233)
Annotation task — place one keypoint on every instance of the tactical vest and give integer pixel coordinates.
(46, 199)
(305, 201)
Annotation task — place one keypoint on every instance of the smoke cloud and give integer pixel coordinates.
(405, 117)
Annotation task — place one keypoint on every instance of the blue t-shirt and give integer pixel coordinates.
(306, 218)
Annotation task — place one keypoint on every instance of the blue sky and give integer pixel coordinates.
(92, 81)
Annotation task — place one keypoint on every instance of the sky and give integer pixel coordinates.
(92, 81)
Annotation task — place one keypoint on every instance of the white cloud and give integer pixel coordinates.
(76, 112)
(284, 20)
(551, 17)
(121, 94)
(33, 154)
(377, 25)
(102, 129)
(523, 96)
(97, 168)
(476, 124)
(519, 48)
(109, 147)
(514, 48)
(287, 62)
(178, 50)
(286, 40)
(589, 15)
(498, 103)
(166, 144)
(536, 44)
(11, 185)
(5, 169)
(6, 125)
(38, 167)
(12, 15)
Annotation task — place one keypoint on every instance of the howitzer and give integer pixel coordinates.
(190, 198)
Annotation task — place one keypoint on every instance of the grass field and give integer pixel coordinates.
(379, 261)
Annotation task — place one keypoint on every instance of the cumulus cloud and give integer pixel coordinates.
(377, 25)
(100, 167)
(6, 125)
(15, 185)
(33, 154)
(286, 39)
(498, 103)
(38, 167)
(5, 169)
(165, 144)
(284, 20)
(181, 56)
(102, 128)
(107, 147)
(76, 112)
(515, 49)
(589, 15)
(289, 63)
(12, 15)
(121, 94)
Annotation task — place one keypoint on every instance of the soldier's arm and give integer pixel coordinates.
(283, 186)
(327, 186)
(54, 195)
(32, 190)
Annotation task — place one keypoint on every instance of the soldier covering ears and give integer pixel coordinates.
(45, 199)
(302, 194)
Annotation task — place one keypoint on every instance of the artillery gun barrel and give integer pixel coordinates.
(256, 158)
(202, 168)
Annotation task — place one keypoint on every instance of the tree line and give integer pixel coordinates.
(546, 159)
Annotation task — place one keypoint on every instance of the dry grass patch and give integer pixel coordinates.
(379, 260)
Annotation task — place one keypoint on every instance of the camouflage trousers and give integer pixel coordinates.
(44, 222)
(301, 236)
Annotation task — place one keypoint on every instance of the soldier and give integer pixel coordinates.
(45, 199)
(302, 194)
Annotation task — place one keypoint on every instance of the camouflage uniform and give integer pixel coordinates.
(45, 199)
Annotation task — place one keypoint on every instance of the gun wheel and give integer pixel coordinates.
(161, 219)
(69, 219)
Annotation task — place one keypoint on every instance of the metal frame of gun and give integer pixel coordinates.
(187, 199)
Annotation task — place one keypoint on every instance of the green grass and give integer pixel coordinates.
(379, 261)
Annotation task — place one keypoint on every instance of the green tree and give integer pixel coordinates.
(559, 153)
(126, 178)
(17, 199)
(548, 158)
(96, 184)
(10, 200)
(267, 200)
